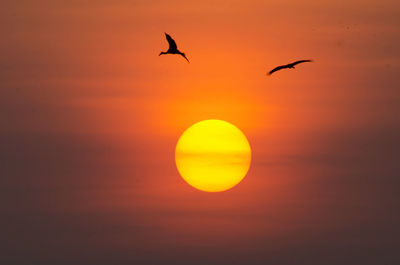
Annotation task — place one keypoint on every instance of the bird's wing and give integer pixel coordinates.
(172, 43)
(277, 69)
(184, 56)
(301, 61)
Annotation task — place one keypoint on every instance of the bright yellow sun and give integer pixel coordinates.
(213, 155)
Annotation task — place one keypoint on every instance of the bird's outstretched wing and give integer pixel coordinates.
(172, 43)
(184, 56)
(301, 61)
(277, 69)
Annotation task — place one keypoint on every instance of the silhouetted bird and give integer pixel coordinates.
(291, 65)
(173, 49)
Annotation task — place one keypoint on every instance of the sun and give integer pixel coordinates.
(213, 155)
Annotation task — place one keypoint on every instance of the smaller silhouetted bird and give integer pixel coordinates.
(291, 65)
(173, 49)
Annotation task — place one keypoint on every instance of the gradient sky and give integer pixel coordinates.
(90, 116)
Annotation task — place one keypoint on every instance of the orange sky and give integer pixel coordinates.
(90, 115)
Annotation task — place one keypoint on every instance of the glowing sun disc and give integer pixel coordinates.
(213, 155)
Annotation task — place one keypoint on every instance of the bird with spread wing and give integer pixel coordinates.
(173, 48)
(287, 66)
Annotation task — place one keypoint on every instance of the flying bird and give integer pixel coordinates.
(291, 65)
(173, 49)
